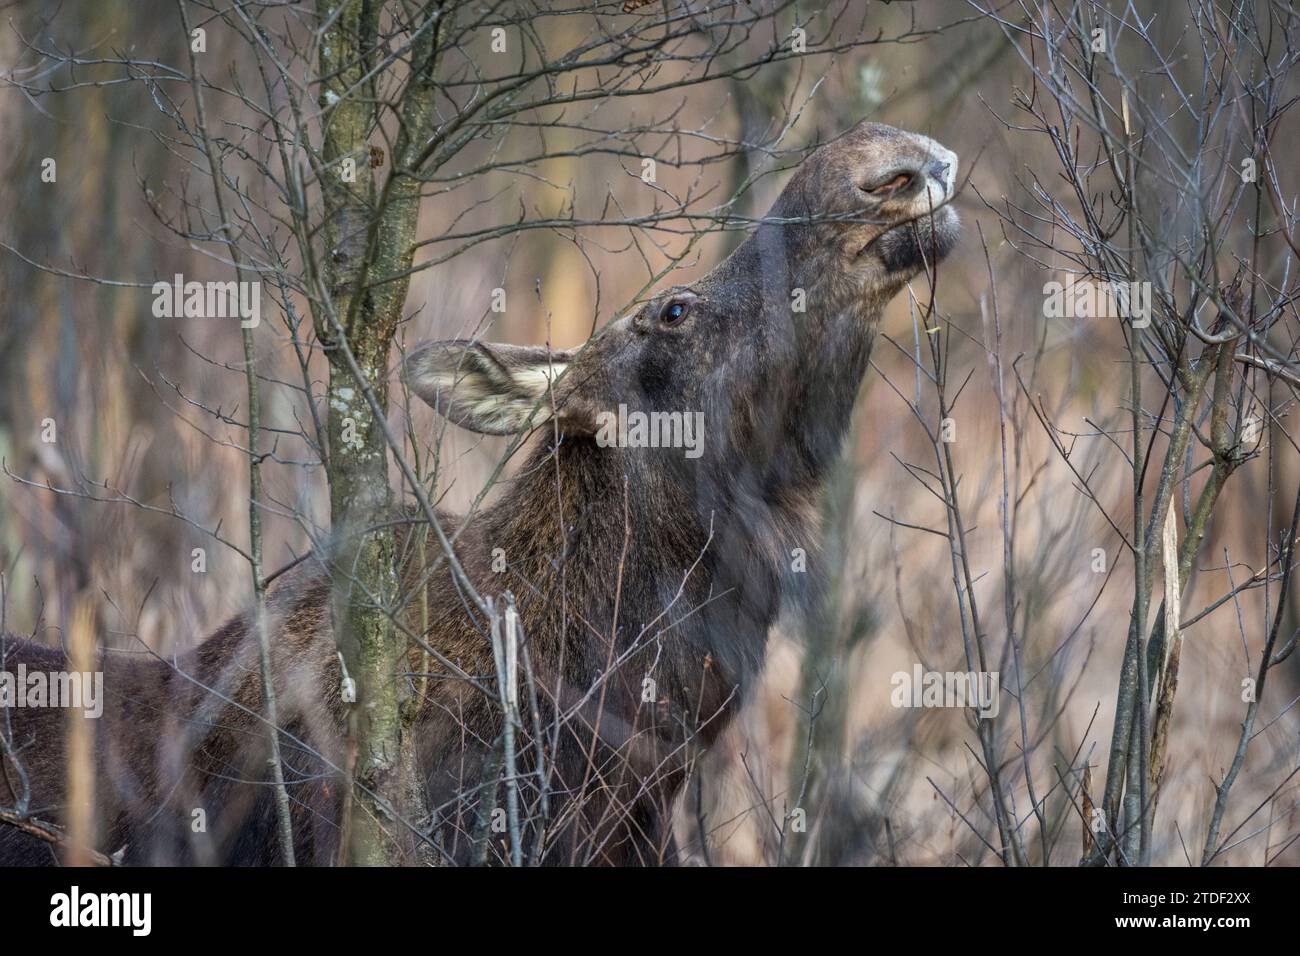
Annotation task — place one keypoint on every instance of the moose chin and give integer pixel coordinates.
(646, 579)
(911, 246)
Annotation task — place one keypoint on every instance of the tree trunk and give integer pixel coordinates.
(370, 222)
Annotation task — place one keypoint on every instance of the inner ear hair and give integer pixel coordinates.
(494, 389)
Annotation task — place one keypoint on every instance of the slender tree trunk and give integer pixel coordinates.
(371, 213)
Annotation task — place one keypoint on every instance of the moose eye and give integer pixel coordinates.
(898, 182)
(674, 312)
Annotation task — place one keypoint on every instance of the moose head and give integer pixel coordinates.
(759, 362)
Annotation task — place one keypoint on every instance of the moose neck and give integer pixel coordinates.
(816, 311)
(699, 556)
(618, 548)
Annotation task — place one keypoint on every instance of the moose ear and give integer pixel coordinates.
(493, 389)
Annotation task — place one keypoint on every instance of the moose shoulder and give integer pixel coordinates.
(647, 539)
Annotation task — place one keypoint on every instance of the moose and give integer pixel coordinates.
(646, 579)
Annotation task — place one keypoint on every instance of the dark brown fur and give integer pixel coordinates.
(694, 553)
